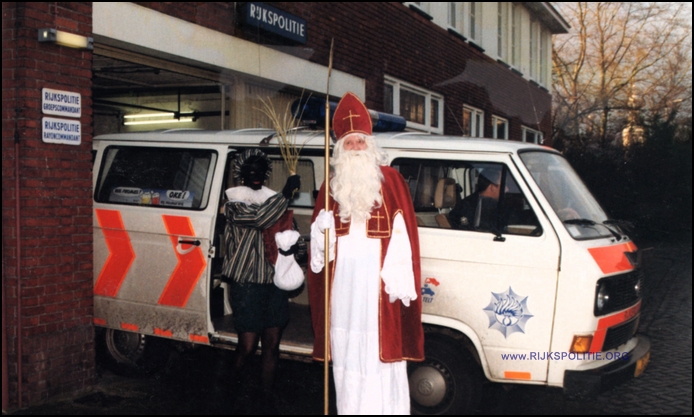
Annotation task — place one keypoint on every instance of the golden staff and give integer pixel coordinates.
(327, 235)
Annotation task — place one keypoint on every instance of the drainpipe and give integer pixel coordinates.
(18, 234)
(5, 389)
(19, 269)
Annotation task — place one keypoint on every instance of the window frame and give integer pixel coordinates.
(398, 85)
(535, 49)
(539, 137)
(516, 19)
(453, 15)
(495, 120)
(474, 18)
(474, 126)
(502, 31)
(545, 50)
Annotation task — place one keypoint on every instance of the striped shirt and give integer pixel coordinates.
(245, 260)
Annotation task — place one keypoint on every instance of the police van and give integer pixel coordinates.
(548, 292)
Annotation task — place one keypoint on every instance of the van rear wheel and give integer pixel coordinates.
(131, 354)
(447, 382)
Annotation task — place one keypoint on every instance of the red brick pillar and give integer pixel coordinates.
(46, 208)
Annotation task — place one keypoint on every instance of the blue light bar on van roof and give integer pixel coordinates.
(311, 111)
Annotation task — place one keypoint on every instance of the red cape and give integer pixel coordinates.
(400, 327)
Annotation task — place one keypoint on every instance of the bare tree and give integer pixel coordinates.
(619, 60)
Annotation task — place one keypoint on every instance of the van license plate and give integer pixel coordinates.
(641, 365)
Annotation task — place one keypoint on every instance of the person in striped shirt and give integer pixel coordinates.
(254, 214)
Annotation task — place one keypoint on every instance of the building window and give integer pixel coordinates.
(545, 48)
(473, 122)
(453, 15)
(474, 15)
(434, 116)
(499, 127)
(388, 98)
(421, 108)
(531, 135)
(534, 49)
(412, 105)
(515, 34)
(502, 30)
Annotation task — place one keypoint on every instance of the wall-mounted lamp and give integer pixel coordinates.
(155, 118)
(66, 39)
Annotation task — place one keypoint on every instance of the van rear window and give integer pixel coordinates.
(156, 177)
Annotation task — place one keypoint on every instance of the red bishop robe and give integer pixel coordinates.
(400, 327)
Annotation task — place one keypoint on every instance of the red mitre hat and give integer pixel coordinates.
(351, 116)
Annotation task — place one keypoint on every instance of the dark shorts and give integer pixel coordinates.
(258, 306)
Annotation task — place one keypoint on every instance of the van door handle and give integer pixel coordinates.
(192, 242)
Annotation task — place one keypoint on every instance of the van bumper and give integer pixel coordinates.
(593, 381)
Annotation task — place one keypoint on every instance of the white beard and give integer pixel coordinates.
(356, 185)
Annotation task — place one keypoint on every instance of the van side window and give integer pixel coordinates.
(150, 176)
(304, 168)
(467, 195)
(303, 199)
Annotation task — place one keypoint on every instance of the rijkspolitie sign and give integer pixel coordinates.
(61, 103)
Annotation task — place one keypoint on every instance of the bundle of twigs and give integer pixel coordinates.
(286, 127)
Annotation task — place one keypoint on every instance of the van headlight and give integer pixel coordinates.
(637, 288)
(602, 297)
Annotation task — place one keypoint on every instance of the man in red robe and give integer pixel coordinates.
(375, 308)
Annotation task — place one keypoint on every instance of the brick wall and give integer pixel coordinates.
(217, 16)
(375, 39)
(55, 210)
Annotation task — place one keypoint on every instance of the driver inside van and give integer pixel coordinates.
(478, 211)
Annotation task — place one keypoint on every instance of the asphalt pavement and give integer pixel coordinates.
(191, 382)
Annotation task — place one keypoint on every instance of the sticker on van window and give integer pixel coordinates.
(508, 312)
(151, 197)
(428, 292)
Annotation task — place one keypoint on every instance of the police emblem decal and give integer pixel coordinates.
(508, 312)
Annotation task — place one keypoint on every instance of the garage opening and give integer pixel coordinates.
(136, 92)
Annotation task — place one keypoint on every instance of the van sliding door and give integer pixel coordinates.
(153, 213)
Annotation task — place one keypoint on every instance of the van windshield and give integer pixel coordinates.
(574, 204)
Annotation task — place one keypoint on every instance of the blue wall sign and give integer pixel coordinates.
(274, 20)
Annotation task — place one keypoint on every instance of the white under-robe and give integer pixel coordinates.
(364, 384)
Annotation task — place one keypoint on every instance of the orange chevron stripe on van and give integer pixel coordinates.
(605, 323)
(121, 253)
(190, 267)
(612, 259)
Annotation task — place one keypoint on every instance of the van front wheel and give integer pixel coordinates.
(447, 382)
(132, 354)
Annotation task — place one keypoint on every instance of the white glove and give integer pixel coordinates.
(324, 221)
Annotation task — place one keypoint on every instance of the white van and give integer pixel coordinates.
(543, 297)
